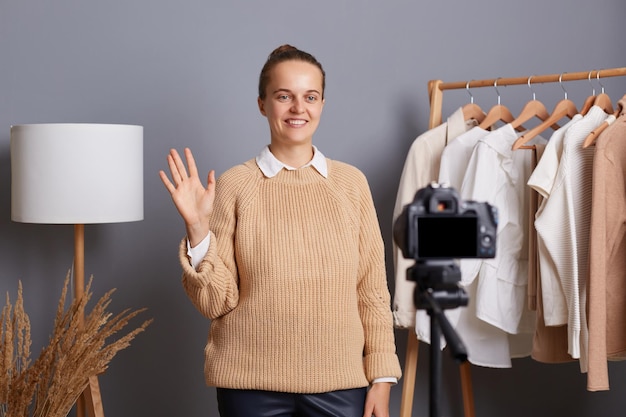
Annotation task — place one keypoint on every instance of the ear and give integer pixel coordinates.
(261, 106)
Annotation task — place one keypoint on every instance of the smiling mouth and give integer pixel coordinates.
(299, 122)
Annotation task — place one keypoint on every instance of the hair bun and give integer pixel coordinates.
(282, 49)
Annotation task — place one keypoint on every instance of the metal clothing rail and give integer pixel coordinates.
(435, 91)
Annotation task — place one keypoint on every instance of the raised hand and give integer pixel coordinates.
(193, 201)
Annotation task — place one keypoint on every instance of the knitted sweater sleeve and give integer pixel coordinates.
(380, 359)
(214, 287)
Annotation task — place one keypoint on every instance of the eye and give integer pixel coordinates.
(311, 98)
(283, 97)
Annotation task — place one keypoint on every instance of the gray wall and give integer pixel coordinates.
(187, 71)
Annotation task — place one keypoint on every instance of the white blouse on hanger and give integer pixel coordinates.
(487, 345)
(542, 180)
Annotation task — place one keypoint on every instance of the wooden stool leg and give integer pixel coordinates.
(466, 388)
(410, 367)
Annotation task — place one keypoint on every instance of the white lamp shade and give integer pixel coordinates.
(76, 173)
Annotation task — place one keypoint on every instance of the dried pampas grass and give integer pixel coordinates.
(78, 349)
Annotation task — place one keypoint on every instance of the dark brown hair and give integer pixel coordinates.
(286, 53)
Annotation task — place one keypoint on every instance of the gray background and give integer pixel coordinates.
(187, 71)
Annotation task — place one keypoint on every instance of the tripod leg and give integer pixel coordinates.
(435, 366)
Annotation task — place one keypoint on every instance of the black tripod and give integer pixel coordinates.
(438, 290)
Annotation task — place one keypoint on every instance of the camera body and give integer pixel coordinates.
(438, 225)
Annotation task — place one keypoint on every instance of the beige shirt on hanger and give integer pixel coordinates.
(607, 259)
(420, 169)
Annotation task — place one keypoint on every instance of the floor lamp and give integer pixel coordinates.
(77, 174)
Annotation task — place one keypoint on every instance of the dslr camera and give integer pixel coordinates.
(437, 228)
(439, 225)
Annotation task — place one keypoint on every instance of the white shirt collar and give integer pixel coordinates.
(270, 166)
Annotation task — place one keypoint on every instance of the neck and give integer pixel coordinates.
(294, 156)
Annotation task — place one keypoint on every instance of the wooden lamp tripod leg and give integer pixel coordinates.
(90, 400)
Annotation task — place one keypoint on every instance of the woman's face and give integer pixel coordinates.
(293, 102)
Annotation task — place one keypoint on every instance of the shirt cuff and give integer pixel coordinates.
(391, 379)
(198, 252)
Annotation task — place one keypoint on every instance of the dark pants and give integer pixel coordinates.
(252, 403)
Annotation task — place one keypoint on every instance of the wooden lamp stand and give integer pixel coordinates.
(90, 401)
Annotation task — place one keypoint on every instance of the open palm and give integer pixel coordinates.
(193, 201)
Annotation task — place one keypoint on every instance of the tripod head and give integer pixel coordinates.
(439, 278)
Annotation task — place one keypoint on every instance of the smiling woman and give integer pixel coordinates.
(293, 107)
(285, 256)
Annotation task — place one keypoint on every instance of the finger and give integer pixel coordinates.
(174, 170)
(174, 154)
(191, 163)
(166, 181)
(178, 162)
(210, 181)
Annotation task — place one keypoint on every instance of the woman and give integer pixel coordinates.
(284, 255)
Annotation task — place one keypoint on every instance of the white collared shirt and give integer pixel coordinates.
(270, 165)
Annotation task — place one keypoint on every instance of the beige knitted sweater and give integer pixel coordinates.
(294, 283)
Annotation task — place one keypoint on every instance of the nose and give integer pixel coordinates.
(298, 106)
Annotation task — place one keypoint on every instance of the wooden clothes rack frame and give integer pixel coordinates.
(435, 92)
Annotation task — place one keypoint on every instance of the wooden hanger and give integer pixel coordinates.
(472, 110)
(589, 100)
(498, 113)
(591, 137)
(587, 104)
(602, 100)
(563, 108)
(534, 108)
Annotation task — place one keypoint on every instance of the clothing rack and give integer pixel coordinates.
(435, 92)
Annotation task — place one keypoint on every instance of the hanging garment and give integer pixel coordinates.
(549, 343)
(497, 174)
(420, 169)
(563, 225)
(487, 345)
(463, 162)
(607, 253)
(454, 159)
(456, 156)
(541, 180)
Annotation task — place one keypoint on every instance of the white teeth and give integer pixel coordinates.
(297, 122)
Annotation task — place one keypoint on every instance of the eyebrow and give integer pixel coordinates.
(286, 90)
